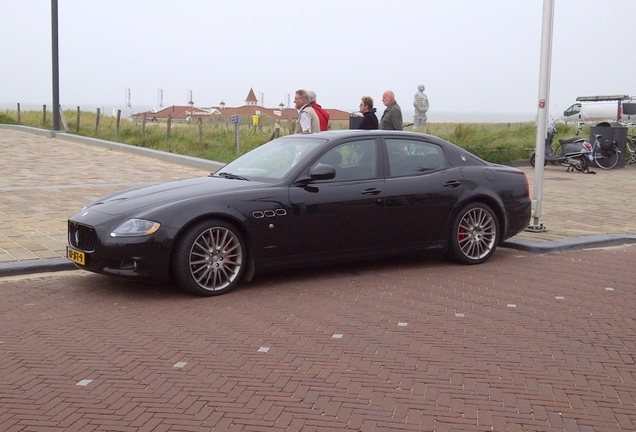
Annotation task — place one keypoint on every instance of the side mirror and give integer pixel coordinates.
(322, 172)
(319, 172)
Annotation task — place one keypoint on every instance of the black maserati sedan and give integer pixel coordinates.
(328, 197)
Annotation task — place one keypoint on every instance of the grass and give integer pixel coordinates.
(215, 138)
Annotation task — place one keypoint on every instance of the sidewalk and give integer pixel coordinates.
(44, 180)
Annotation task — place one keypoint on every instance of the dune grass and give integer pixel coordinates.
(215, 140)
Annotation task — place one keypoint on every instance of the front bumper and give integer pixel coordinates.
(130, 257)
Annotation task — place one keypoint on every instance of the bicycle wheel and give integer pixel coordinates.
(605, 159)
(630, 151)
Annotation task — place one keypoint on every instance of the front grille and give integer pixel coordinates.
(82, 237)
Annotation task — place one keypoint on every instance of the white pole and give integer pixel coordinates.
(542, 111)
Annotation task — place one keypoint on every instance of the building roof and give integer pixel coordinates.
(183, 112)
(251, 98)
(250, 109)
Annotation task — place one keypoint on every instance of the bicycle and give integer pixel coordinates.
(604, 153)
(630, 146)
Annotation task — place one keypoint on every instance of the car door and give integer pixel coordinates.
(421, 190)
(344, 214)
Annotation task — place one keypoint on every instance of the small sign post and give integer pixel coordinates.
(237, 137)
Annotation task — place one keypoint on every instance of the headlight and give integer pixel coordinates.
(136, 228)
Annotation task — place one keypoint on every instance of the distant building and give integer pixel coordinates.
(251, 108)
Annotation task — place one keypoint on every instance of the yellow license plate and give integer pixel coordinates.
(76, 256)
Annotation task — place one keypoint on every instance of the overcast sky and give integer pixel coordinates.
(472, 55)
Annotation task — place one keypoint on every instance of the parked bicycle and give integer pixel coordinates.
(630, 146)
(604, 153)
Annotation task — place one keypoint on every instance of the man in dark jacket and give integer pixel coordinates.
(392, 117)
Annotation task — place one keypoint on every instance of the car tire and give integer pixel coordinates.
(210, 258)
(474, 234)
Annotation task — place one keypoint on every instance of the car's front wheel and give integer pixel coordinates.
(210, 258)
(475, 234)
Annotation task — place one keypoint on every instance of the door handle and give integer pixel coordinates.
(452, 183)
(372, 191)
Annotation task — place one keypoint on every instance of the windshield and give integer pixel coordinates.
(273, 160)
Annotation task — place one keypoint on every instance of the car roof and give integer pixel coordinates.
(345, 133)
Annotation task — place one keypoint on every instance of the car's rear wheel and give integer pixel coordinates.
(210, 258)
(475, 234)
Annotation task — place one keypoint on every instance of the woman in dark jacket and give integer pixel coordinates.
(370, 121)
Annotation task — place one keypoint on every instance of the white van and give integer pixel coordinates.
(600, 111)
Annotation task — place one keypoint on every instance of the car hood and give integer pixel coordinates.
(130, 200)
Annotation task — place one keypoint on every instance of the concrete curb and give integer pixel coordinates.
(157, 154)
(35, 131)
(569, 244)
(19, 268)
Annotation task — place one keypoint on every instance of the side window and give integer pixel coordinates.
(574, 109)
(409, 157)
(353, 161)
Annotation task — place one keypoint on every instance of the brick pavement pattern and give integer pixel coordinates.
(46, 180)
(524, 342)
(576, 204)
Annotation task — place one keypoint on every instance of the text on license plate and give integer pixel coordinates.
(76, 256)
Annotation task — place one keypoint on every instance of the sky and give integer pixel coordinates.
(473, 56)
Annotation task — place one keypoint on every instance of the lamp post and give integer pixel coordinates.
(542, 113)
(56, 67)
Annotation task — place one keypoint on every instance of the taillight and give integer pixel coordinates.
(587, 146)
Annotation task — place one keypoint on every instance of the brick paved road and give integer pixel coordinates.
(523, 342)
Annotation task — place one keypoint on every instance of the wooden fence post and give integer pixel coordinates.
(63, 120)
(77, 127)
(143, 126)
(43, 114)
(168, 128)
(19, 113)
(97, 122)
(117, 125)
(200, 130)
